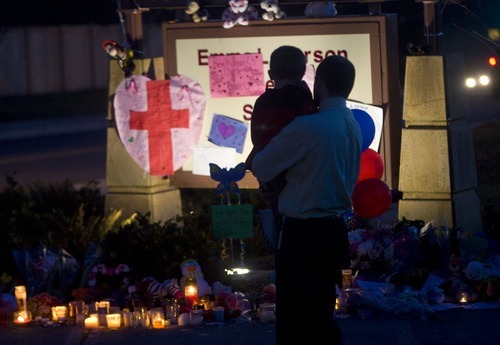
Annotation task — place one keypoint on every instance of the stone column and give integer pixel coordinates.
(437, 169)
(130, 188)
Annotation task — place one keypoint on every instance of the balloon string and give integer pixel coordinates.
(242, 254)
(223, 253)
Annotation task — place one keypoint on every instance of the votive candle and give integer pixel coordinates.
(22, 317)
(158, 320)
(59, 313)
(113, 320)
(92, 321)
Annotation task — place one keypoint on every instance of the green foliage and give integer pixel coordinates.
(40, 214)
(157, 249)
(61, 217)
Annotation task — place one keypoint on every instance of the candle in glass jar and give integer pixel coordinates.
(190, 292)
(21, 296)
(22, 317)
(158, 320)
(196, 317)
(113, 320)
(346, 278)
(92, 321)
(59, 313)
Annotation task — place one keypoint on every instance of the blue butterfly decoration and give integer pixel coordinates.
(227, 178)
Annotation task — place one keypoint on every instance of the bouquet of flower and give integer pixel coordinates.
(41, 304)
(372, 250)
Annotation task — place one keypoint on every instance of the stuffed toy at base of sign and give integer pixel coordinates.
(190, 268)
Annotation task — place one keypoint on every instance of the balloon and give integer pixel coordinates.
(371, 166)
(367, 126)
(371, 198)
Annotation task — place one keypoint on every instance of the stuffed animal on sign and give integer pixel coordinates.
(190, 268)
(320, 9)
(120, 53)
(196, 12)
(273, 10)
(238, 12)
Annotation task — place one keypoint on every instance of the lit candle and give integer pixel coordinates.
(22, 317)
(158, 320)
(190, 292)
(92, 321)
(59, 313)
(102, 305)
(113, 320)
(464, 297)
(21, 296)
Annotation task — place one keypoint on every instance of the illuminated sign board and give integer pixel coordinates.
(191, 48)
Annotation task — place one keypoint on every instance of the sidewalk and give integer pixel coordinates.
(457, 326)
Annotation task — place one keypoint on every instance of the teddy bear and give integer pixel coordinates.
(196, 12)
(320, 9)
(190, 268)
(238, 12)
(273, 10)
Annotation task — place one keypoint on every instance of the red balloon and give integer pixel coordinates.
(371, 198)
(371, 166)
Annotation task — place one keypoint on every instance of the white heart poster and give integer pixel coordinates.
(159, 121)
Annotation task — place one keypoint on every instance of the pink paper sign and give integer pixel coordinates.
(236, 75)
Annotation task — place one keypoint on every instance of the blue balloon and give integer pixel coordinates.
(367, 126)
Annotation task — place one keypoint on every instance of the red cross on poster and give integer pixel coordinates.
(159, 121)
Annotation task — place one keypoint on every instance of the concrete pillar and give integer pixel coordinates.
(437, 166)
(130, 188)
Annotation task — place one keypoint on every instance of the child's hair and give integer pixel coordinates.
(338, 74)
(288, 62)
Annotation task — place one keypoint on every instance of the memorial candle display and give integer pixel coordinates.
(190, 292)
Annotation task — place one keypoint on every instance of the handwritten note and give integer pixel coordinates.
(238, 75)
